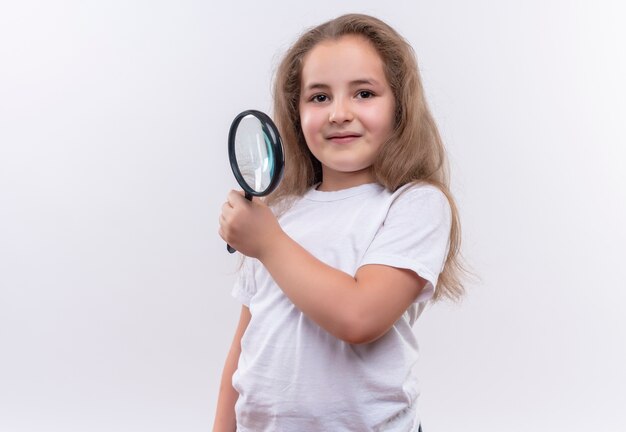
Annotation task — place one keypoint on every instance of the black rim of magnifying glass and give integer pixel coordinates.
(271, 131)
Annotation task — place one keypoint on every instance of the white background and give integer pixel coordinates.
(115, 312)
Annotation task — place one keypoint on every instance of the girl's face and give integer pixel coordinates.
(347, 109)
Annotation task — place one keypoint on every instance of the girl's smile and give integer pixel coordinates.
(343, 137)
(346, 109)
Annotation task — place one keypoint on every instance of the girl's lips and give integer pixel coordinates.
(343, 139)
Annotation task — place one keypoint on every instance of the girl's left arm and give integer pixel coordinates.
(357, 309)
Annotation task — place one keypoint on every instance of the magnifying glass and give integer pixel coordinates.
(256, 155)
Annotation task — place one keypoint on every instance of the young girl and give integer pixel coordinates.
(366, 234)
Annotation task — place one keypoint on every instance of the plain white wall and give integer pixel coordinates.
(115, 312)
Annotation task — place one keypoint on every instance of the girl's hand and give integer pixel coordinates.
(248, 226)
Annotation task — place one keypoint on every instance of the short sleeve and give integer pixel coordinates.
(415, 235)
(245, 286)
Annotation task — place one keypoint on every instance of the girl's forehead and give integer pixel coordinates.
(345, 46)
(343, 57)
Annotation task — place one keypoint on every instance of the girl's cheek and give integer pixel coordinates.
(306, 123)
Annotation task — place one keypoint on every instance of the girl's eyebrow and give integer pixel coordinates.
(322, 86)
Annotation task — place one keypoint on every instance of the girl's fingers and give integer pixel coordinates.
(235, 197)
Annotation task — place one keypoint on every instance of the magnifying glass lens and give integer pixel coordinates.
(253, 151)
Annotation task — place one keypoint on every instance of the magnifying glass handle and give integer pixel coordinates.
(229, 248)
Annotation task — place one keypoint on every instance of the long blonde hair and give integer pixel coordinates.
(414, 152)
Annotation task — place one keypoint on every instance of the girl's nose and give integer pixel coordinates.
(340, 112)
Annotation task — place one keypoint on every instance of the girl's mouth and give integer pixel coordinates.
(343, 139)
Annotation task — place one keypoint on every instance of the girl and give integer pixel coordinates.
(366, 233)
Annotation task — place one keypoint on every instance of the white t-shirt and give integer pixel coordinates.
(292, 374)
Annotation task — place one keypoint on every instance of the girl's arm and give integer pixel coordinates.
(355, 309)
(225, 413)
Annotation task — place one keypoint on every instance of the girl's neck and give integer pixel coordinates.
(334, 181)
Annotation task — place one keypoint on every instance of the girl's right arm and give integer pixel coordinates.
(225, 413)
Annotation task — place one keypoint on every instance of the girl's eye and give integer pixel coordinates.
(365, 94)
(319, 98)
